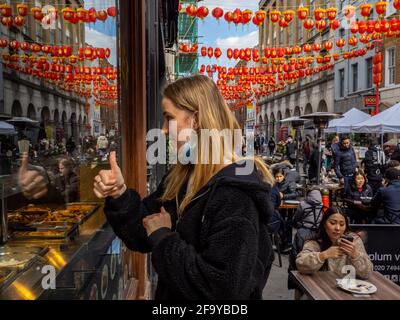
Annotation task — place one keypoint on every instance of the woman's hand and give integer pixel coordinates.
(110, 182)
(157, 221)
(348, 248)
(333, 252)
(33, 183)
(281, 195)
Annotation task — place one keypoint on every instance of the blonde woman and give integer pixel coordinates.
(205, 225)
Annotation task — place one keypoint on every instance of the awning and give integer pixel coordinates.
(387, 121)
(7, 129)
(343, 125)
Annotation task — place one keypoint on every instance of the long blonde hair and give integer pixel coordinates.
(200, 94)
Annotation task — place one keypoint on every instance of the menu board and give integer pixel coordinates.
(382, 243)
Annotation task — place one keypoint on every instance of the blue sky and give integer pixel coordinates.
(221, 35)
(102, 34)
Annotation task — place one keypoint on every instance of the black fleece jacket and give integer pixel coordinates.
(219, 249)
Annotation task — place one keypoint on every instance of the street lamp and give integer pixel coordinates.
(296, 123)
(321, 120)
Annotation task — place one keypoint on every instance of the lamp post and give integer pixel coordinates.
(296, 123)
(321, 120)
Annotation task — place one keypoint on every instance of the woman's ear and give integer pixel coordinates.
(196, 123)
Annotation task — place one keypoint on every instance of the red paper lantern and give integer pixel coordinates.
(37, 13)
(365, 38)
(319, 14)
(14, 45)
(237, 16)
(260, 15)
(3, 43)
(334, 24)
(7, 21)
(112, 12)
(296, 50)
(302, 13)
(67, 51)
(246, 16)
(5, 10)
(354, 27)
(256, 21)
(82, 14)
(340, 43)
(229, 53)
(102, 15)
(92, 15)
(331, 13)
(320, 25)
(362, 26)
(19, 21)
(380, 7)
(308, 24)
(22, 9)
(370, 26)
(274, 15)
(283, 23)
(203, 51)
(202, 12)
(288, 15)
(385, 26)
(67, 13)
(317, 47)
(217, 52)
(396, 4)
(88, 53)
(353, 41)
(191, 10)
(336, 56)
(210, 52)
(307, 48)
(228, 17)
(365, 10)
(328, 45)
(217, 13)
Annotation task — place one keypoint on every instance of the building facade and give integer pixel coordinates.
(308, 95)
(60, 113)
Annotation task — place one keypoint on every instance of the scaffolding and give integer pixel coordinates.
(187, 63)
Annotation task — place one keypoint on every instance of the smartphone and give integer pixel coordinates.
(348, 237)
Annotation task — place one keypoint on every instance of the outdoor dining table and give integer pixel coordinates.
(322, 286)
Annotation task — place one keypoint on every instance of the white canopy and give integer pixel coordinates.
(350, 118)
(387, 121)
(6, 128)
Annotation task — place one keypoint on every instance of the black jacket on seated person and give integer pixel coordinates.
(289, 189)
(389, 198)
(220, 247)
(352, 193)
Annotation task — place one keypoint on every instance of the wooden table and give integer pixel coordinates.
(322, 286)
(288, 206)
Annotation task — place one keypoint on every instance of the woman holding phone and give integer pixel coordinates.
(334, 247)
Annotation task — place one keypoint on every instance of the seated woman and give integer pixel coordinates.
(354, 194)
(328, 250)
(287, 188)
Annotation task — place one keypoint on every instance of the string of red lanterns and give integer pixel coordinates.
(71, 15)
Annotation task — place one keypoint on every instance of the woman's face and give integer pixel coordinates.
(184, 120)
(335, 227)
(360, 181)
(279, 177)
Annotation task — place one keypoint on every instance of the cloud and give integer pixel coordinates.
(101, 40)
(247, 40)
(231, 5)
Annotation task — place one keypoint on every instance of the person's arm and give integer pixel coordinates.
(337, 159)
(291, 193)
(223, 268)
(308, 260)
(361, 262)
(125, 215)
(377, 200)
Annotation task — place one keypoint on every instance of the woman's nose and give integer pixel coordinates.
(164, 128)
